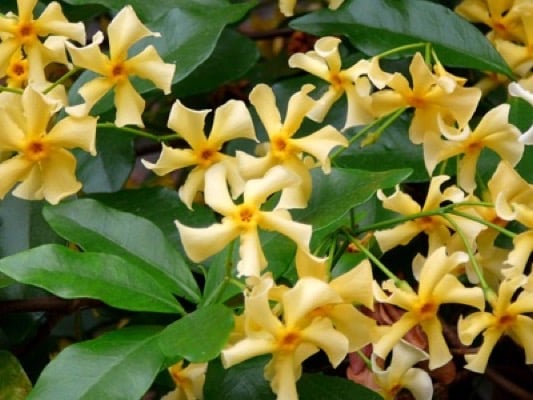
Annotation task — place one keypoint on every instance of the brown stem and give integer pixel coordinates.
(507, 385)
(54, 304)
(274, 33)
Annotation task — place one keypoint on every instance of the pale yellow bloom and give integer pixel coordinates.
(283, 148)
(436, 286)
(231, 121)
(116, 69)
(24, 33)
(354, 288)
(400, 373)
(503, 16)
(287, 6)
(519, 56)
(493, 132)
(518, 90)
(189, 381)
(291, 339)
(435, 226)
(41, 161)
(506, 318)
(430, 96)
(243, 220)
(325, 62)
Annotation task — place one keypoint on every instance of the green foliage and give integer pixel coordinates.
(14, 384)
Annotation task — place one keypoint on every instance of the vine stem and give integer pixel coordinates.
(138, 132)
(73, 71)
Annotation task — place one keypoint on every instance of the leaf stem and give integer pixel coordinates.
(70, 73)
(138, 132)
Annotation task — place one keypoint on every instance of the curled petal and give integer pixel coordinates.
(170, 160)
(281, 222)
(439, 354)
(232, 120)
(149, 65)
(75, 132)
(470, 327)
(194, 240)
(246, 349)
(355, 286)
(37, 112)
(324, 104)
(394, 334)
(299, 105)
(53, 22)
(263, 99)
(216, 190)
(125, 30)
(328, 48)
(310, 62)
(400, 234)
(192, 185)
(253, 259)
(129, 105)
(90, 57)
(188, 123)
(12, 171)
(322, 334)
(58, 176)
(478, 362)
(91, 92)
(256, 191)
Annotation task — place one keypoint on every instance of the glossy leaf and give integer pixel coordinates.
(199, 336)
(245, 380)
(351, 188)
(106, 277)
(96, 227)
(319, 387)
(14, 384)
(118, 365)
(111, 167)
(375, 26)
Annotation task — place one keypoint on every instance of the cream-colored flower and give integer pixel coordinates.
(243, 220)
(287, 6)
(283, 148)
(506, 318)
(493, 132)
(435, 226)
(41, 161)
(430, 96)
(23, 33)
(231, 121)
(291, 339)
(400, 373)
(189, 381)
(436, 286)
(354, 288)
(325, 62)
(115, 71)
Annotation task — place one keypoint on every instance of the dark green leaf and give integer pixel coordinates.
(353, 187)
(522, 116)
(106, 277)
(111, 167)
(319, 387)
(375, 26)
(242, 381)
(199, 336)
(14, 384)
(168, 208)
(216, 70)
(118, 365)
(96, 227)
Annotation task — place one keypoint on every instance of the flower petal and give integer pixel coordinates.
(232, 120)
(59, 176)
(299, 105)
(91, 92)
(256, 191)
(53, 22)
(74, 132)
(192, 185)
(246, 349)
(253, 259)
(149, 65)
(129, 105)
(12, 171)
(90, 57)
(216, 190)
(280, 221)
(37, 112)
(171, 159)
(188, 123)
(263, 99)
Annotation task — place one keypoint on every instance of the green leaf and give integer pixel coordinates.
(199, 336)
(106, 277)
(216, 70)
(521, 115)
(353, 187)
(169, 207)
(375, 26)
(242, 381)
(111, 167)
(145, 10)
(14, 384)
(319, 387)
(118, 365)
(96, 227)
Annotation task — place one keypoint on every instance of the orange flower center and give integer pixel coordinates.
(207, 156)
(281, 147)
(36, 150)
(25, 32)
(416, 102)
(338, 81)
(427, 310)
(246, 216)
(506, 321)
(289, 340)
(118, 71)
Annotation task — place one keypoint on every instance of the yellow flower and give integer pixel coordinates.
(430, 96)
(243, 220)
(435, 226)
(503, 16)
(285, 150)
(189, 381)
(290, 340)
(325, 62)
(42, 163)
(354, 288)
(400, 373)
(493, 132)
(22, 33)
(287, 6)
(506, 318)
(115, 71)
(232, 120)
(519, 56)
(436, 286)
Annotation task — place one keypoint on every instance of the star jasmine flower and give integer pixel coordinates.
(231, 121)
(41, 161)
(116, 69)
(243, 220)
